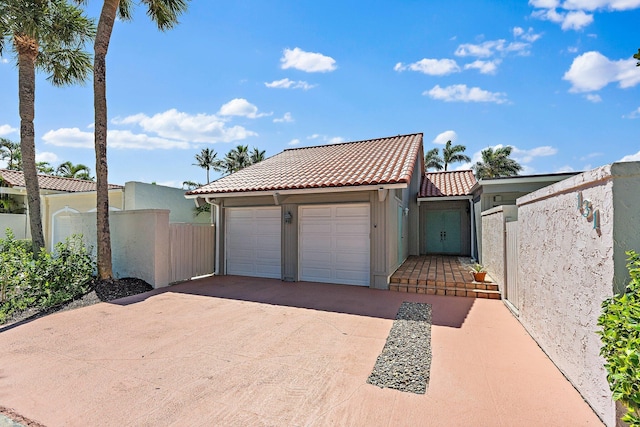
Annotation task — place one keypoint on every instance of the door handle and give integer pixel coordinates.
(444, 233)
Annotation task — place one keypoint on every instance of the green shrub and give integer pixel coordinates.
(620, 335)
(51, 279)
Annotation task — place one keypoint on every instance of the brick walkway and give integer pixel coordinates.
(441, 275)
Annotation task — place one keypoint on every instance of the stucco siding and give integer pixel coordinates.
(493, 241)
(139, 243)
(566, 270)
(18, 223)
(140, 195)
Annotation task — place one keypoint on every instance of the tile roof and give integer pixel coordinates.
(451, 183)
(48, 182)
(372, 162)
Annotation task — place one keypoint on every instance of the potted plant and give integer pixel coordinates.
(478, 272)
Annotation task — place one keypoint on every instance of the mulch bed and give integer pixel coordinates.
(405, 361)
(101, 291)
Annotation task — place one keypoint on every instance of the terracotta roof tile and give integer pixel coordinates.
(371, 162)
(47, 182)
(451, 183)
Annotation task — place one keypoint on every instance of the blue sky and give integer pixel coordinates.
(554, 79)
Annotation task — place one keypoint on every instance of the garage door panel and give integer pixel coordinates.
(334, 244)
(253, 242)
(352, 211)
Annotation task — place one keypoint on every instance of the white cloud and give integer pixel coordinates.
(314, 136)
(526, 156)
(120, 139)
(592, 71)
(310, 62)
(443, 137)
(601, 4)
(7, 129)
(46, 156)
(593, 98)
(565, 169)
(576, 20)
(632, 115)
(463, 93)
(631, 158)
(174, 124)
(336, 140)
(432, 67)
(485, 67)
(326, 139)
(4, 60)
(289, 84)
(69, 137)
(287, 118)
(572, 14)
(491, 47)
(294, 142)
(528, 35)
(241, 107)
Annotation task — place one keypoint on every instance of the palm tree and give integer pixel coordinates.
(10, 151)
(207, 159)
(45, 168)
(256, 156)
(637, 56)
(496, 163)
(69, 170)
(165, 14)
(432, 160)
(48, 35)
(236, 159)
(453, 154)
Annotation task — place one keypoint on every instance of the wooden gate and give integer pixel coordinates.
(511, 260)
(192, 250)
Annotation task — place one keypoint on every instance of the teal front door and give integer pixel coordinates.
(443, 232)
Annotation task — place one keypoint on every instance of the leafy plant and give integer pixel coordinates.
(51, 279)
(477, 268)
(620, 335)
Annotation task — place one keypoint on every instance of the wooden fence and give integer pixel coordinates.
(192, 250)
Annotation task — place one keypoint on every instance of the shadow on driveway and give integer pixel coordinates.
(346, 299)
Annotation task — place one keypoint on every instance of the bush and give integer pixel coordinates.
(51, 279)
(620, 335)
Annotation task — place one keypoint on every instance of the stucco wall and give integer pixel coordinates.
(139, 243)
(567, 268)
(18, 223)
(493, 241)
(140, 195)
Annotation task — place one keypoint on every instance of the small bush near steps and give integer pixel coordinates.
(620, 335)
(49, 280)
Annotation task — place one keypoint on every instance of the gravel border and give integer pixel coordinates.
(405, 360)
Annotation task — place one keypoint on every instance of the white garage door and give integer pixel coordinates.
(253, 242)
(334, 244)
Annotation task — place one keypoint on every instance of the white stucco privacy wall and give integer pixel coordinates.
(493, 241)
(18, 223)
(139, 243)
(140, 195)
(567, 268)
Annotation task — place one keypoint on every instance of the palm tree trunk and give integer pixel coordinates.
(27, 52)
(103, 36)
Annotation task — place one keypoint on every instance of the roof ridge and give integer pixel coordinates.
(351, 142)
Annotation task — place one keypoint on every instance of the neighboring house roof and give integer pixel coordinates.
(56, 183)
(379, 161)
(450, 183)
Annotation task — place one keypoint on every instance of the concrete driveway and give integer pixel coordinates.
(232, 351)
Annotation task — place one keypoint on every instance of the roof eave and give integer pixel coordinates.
(313, 190)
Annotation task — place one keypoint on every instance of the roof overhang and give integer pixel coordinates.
(70, 193)
(444, 198)
(315, 190)
(522, 179)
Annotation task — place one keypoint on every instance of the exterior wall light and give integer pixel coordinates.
(288, 217)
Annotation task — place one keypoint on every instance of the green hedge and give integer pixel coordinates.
(620, 321)
(46, 281)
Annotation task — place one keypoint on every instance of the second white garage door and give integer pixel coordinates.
(334, 244)
(253, 242)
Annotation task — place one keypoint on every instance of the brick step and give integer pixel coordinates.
(489, 286)
(449, 291)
